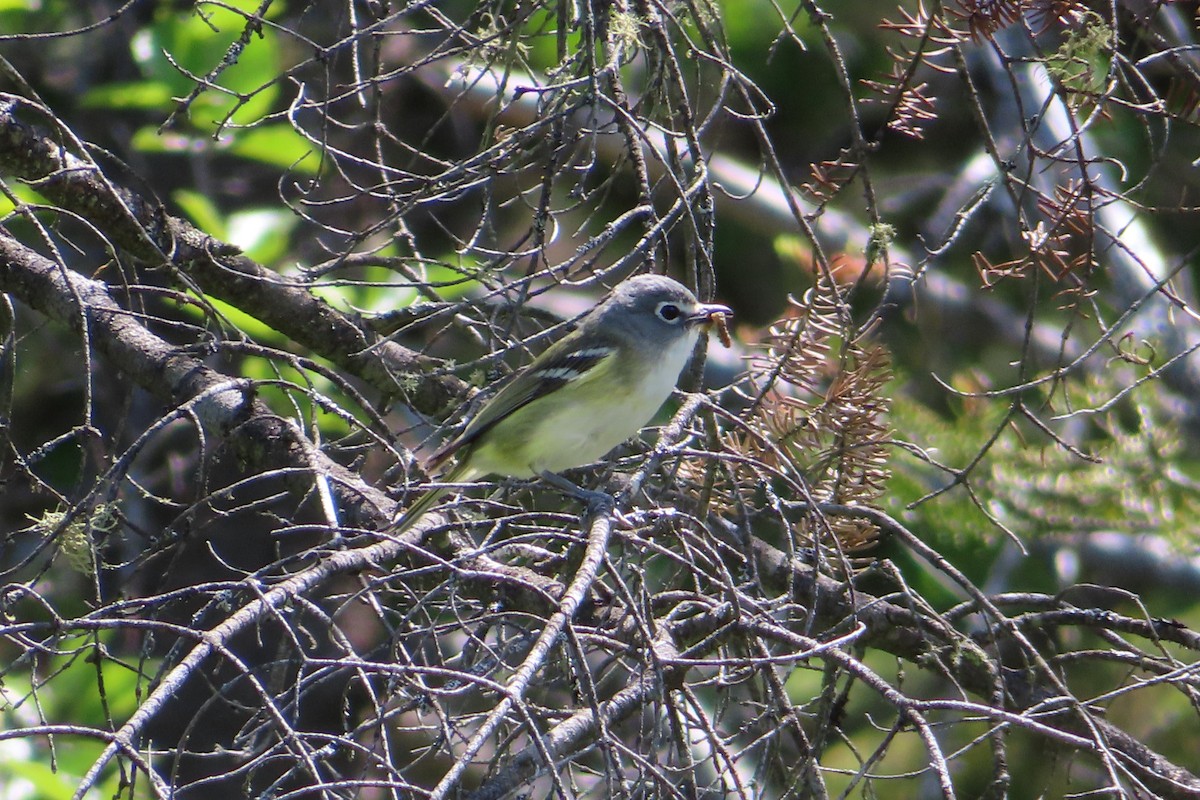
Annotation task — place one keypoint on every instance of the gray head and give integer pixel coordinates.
(655, 309)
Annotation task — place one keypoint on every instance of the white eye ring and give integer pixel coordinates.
(669, 312)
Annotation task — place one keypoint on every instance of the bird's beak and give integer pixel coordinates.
(704, 313)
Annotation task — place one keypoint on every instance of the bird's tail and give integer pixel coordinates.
(427, 501)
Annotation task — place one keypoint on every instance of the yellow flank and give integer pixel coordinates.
(603, 396)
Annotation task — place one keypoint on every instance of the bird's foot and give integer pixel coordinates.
(596, 502)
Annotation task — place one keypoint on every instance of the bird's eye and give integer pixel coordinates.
(668, 312)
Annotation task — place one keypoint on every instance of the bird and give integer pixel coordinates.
(588, 392)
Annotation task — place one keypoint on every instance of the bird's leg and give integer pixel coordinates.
(597, 502)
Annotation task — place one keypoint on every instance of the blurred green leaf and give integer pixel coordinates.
(298, 402)
(90, 690)
(375, 290)
(277, 145)
(44, 783)
(146, 95)
(202, 212)
(149, 140)
(198, 43)
(235, 317)
(23, 193)
(264, 234)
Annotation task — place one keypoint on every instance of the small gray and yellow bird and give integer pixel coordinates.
(587, 393)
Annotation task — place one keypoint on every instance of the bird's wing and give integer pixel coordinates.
(560, 364)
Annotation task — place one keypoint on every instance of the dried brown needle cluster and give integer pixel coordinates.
(1064, 250)
(815, 432)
